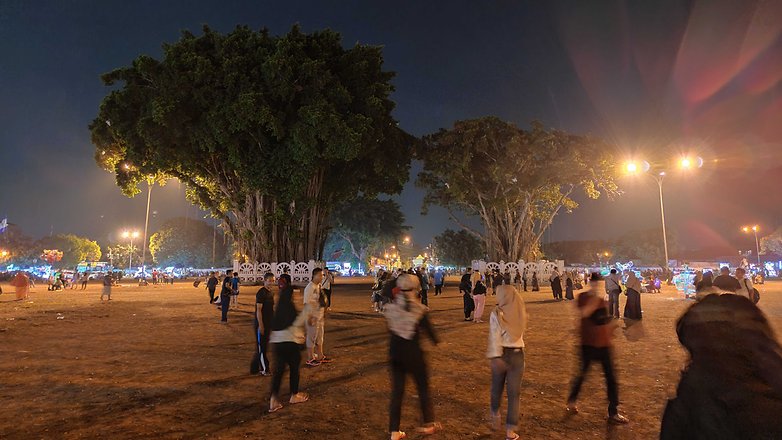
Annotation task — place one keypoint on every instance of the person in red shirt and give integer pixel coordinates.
(597, 330)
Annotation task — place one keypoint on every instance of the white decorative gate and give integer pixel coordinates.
(542, 269)
(253, 272)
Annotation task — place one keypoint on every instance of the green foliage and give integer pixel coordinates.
(772, 243)
(266, 131)
(577, 251)
(120, 254)
(515, 180)
(75, 249)
(644, 247)
(184, 242)
(458, 247)
(364, 226)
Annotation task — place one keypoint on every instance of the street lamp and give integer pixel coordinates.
(754, 230)
(684, 163)
(131, 235)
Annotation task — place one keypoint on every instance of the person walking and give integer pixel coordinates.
(479, 297)
(286, 336)
(596, 332)
(423, 276)
(535, 285)
(613, 285)
(465, 288)
(85, 277)
(328, 280)
(313, 296)
(556, 285)
(211, 286)
(439, 281)
(746, 289)
(506, 353)
(633, 303)
(569, 288)
(107, 281)
(235, 290)
(726, 283)
(225, 296)
(406, 317)
(264, 313)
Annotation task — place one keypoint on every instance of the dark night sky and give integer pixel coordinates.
(654, 78)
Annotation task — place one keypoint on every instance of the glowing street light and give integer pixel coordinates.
(684, 163)
(754, 230)
(3, 253)
(130, 235)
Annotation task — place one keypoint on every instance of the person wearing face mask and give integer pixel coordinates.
(406, 317)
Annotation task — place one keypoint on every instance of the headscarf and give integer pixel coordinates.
(405, 310)
(286, 312)
(633, 282)
(512, 312)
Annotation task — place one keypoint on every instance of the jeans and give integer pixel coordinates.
(286, 353)
(425, 297)
(613, 303)
(438, 289)
(408, 358)
(602, 355)
(212, 295)
(506, 372)
(225, 303)
(263, 348)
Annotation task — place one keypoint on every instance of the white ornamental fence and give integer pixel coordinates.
(542, 269)
(300, 272)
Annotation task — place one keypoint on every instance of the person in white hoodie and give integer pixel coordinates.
(286, 337)
(506, 353)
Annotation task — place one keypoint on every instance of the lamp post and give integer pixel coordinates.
(754, 230)
(684, 163)
(131, 235)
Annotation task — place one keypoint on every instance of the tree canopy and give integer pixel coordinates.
(644, 246)
(364, 226)
(267, 132)
(515, 180)
(772, 243)
(458, 247)
(184, 242)
(75, 249)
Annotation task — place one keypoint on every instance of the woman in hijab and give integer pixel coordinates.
(506, 352)
(633, 304)
(406, 317)
(731, 387)
(287, 337)
(22, 285)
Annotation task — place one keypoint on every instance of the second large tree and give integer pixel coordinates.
(267, 132)
(515, 180)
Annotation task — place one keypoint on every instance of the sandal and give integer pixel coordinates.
(274, 406)
(430, 428)
(515, 436)
(299, 398)
(398, 435)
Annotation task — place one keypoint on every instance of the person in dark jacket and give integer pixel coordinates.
(225, 296)
(406, 318)
(211, 286)
(264, 312)
(732, 387)
(465, 288)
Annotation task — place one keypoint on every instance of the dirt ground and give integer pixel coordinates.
(155, 363)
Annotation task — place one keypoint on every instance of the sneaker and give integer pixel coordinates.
(618, 419)
(430, 428)
(398, 435)
(300, 398)
(313, 362)
(265, 373)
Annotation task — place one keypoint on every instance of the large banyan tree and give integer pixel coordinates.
(267, 132)
(516, 181)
